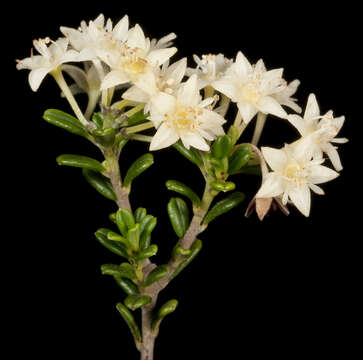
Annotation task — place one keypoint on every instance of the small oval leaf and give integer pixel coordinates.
(192, 154)
(116, 247)
(126, 285)
(99, 183)
(238, 159)
(138, 167)
(164, 310)
(183, 189)
(222, 147)
(223, 185)
(80, 162)
(157, 274)
(179, 216)
(148, 252)
(65, 121)
(134, 302)
(223, 206)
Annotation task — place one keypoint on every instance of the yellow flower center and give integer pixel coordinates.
(135, 66)
(250, 93)
(185, 117)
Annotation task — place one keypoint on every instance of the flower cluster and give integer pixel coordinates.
(190, 104)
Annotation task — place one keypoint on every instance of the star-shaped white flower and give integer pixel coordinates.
(165, 79)
(132, 58)
(294, 174)
(210, 68)
(184, 116)
(322, 129)
(252, 88)
(50, 58)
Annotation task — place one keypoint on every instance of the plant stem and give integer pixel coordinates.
(141, 127)
(58, 76)
(260, 123)
(115, 178)
(92, 102)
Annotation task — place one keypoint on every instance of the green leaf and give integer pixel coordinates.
(80, 161)
(239, 159)
(110, 269)
(99, 183)
(133, 237)
(233, 132)
(65, 121)
(195, 248)
(164, 310)
(223, 206)
(250, 170)
(112, 217)
(134, 302)
(131, 323)
(97, 118)
(127, 218)
(115, 247)
(157, 274)
(139, 214)
(191, 154)
(223, 185)
(146, 229)
(179, 216)
(105, 137)
(137, 118)
(148, 252)
(126, 285)
(126, 270)
(116, 237)
(183, 189)
(222, 147)
(138, 167)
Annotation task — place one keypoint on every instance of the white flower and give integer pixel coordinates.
(184, 116)
(284, 97)
(162, 43)
(209, 68)
(252, 88)
(50, 59)
(321, 129)
(294, 175)
(132, 58)
(97, 35)
(165, 79)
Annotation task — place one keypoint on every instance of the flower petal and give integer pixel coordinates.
(188, 93)
(272, 186)
(114, 78)
(159, 56)
(164, 137)
(320, 174)
(312, 108)
(276, 158)
(190, 138)
(268, 105)
(120, 30)
(162, 103)
(36, 77)
(301, 197)
(248, 111)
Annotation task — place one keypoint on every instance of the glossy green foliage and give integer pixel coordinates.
(148, 252)
(191, 154)
(137, 118)
(65, 121)
(131, 323)
(183, 189)
(179, 215)
(105, 137)
(157, 274)
(99, 183)
(194, 251)
(97, 118)
(222, 147)
(80, 161)
(238, 159)
(138, 167)
(164, 310)
(134, 302)
(126, 285)
(224, 206)
(223, 185)
(115, 247)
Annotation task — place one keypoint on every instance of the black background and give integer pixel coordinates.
(286, 287)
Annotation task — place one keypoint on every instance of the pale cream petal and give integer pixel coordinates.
(298, 122)
(164, 137)
(120, 30)
(320, 174)
(303, 149)
(317, 189)
(301, 197)
(227, 86)
(136, 38)
(268, 105)
(163, 103)
(189, 138)
(36, 77)
(135, 94)
(114, 78)
(312, 108)
(272, 186)
(188, 93)
(75, 37)
(333, 155)
(248, 111)
(159, 56)
(276, 158)
(147, 83)
(340, 140)
(242, 66)
(177, 70)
